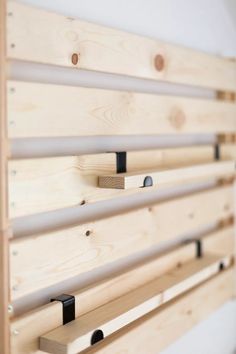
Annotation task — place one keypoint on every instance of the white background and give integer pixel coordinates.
(208, 25)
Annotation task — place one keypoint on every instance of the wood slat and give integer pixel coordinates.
(228, 151)
(131, 180)
(76, 335)
(4, 251)
(108, 50)
(38, 185)
(32, 325)
(162, 327)
(45, 110)
(79, 249)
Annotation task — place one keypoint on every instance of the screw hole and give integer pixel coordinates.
(97, 336)
(221, 266)
(88, 233)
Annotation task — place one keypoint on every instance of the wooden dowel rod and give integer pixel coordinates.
(69, 146)
(76, 215)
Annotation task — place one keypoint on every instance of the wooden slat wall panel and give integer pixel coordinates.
(4, 251)
(108, 50)
(43, 110)
(115, 315)
(156, 331)
(70, 252)
(32, 325)
(38, 185)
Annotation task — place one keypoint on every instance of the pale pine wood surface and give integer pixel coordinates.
(108, 50)
(75, 253)
(38, 185)
(156, 331)
(45, 110)
(35, 110)
(4, 252)
(132, 180)
(30, 326)
(75, 336)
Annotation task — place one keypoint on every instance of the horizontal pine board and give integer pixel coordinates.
(79, 249)
(131, 180)
(46, 110)
(38, 185)
(108, 50)
(113, 316)
(162, 327)
(32, 324)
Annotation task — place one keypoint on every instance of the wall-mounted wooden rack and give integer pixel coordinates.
(60, 202)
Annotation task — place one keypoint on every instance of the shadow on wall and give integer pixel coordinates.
(231, 8)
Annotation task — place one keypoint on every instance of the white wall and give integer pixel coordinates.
(208, 25)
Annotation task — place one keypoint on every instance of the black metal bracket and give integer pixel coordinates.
(199, 248)
(97, 336)
(121, 162)
(217, 152)
(68, 307)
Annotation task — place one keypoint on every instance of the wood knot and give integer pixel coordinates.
(159, 62)
(75, 58)
(177, 118)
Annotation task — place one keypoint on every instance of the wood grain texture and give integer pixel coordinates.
(162, 327)
(71, 252)
(113, 316)
(228, 151)
(45, 110)
(108, 50)
(134, 180)
(32, 325)
(4, 251)
(38, 185)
